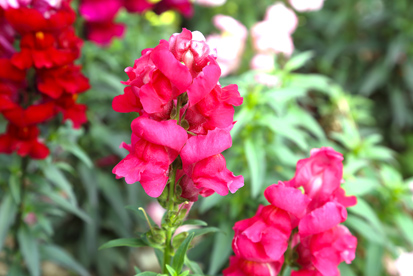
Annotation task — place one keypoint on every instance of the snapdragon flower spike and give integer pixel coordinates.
(318, 239)
(155, 145)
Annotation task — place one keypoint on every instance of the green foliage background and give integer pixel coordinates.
(348, 85)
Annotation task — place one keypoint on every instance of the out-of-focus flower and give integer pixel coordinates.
(274, 33)
(210, 3)
(307, 5)
(404, 264)
(30, 218)
(229, 44)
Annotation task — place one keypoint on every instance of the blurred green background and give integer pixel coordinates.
(348, 85)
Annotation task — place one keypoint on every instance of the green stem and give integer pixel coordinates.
(170, 229)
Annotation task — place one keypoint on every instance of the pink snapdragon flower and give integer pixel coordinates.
(404, 264)
(307, 223)
(230, 43)
(210, 3)
(306, 5)
(179, 74)
(274, 33)
(243, 267)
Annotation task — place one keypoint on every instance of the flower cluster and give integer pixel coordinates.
(100, 15)
(39, 80)
(300, 228)
(185, 119)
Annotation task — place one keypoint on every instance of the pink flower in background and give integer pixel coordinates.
(229, 44)
(404, 264)
(274, 33)
(210, 3)
(307, 5)
(30, 218)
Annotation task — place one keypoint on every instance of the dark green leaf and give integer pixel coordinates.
(14, 185)
(179, 258)
(61, 257)
(129, 242)
(30, 250)
(221, 249)
(194, 222)
(8, 211)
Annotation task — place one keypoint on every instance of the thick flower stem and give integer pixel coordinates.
(170, 229)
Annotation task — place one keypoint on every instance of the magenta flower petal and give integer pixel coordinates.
(287, 198)
(322, 219)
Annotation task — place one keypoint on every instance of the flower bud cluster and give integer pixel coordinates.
(40, 79)
(100, 15)
(300, 229)
(185, 115)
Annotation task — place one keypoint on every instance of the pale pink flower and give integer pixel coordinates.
(263, 62)
(404, 264)
(30, 218)
(274, 33)
(210, 3)
(229, 44)
(307, 5)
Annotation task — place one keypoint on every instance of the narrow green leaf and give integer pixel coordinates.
(81, 154)
(221, 248)
(256, 163)
(374, 257)
(195, 222)
(360, 186)
(15, 187)
(209, 202)
(55, 176)
(364, 210)
(366, 230)
(179, 258)
(137, 270)
(61, 257)
(159, 256)
(193, 266)
(148, 273)
(171, 271)
(203, 231)
(129, 242)
(8, 210)
(30, 250)
(298, 61)
(66, 205)
(345, 270)
(405, 223)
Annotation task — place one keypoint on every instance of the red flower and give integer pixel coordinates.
(24, 141)
(71, 110)
(155, 145)
(34, 114)
(56, 81)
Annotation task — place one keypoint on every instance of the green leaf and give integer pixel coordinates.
(129, 242)
(15, 187)
(193, 266)
(8, 209)
(195, 222)
(405, 223)
(70, 207)
(298, 61)
(159, 256)
(79, 153)
(256, 163)
(209, 202)
(364, 210)
(55, 176)
(366, 230)
(171, 271)
(360, 186)
(148, 273)
(137, 270)
(221, 249)
(30, 250)
(345, 270)
(61, 257)
(374, 257)
(179, 258)
(184, 273)
(203, 231)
